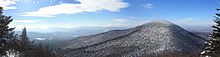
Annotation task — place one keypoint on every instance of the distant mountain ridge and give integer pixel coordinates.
(64, 33)
(155, 37)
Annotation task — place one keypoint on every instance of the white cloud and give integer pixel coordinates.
(121, 20)
(148, 5)
(7, 4)
(27, 21)
(84, 6)
(192, 21)
(31, 26)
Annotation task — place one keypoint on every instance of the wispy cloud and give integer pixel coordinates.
(7, 4)
(132, 17)
(192, 21)
(27, 21)
(148, 5)
(84, 6)
(121, 20)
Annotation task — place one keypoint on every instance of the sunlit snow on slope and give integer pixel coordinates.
(156, 37)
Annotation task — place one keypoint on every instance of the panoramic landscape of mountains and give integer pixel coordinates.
(158, 38)
(109, 28)
(154, 39)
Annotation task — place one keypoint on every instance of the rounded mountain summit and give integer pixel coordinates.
(154, 39)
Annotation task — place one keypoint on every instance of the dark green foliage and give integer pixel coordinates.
(25, 43)
(38, 50)
(30, 49)
(213, 45)
(6, 33)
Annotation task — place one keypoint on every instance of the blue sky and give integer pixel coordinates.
(43, 14)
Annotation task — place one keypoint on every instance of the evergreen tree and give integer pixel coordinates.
(6, 33)
(29, 49)
(24, 39)
(24, 44)
(212, 48)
